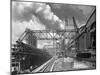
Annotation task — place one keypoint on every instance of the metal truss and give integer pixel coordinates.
(47, 34)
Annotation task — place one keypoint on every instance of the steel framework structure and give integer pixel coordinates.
(47, 34)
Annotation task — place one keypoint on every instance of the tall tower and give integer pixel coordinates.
(76, 33)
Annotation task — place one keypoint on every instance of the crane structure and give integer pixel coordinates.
(81, 40)
(55, 35)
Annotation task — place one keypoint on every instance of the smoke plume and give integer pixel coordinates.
(24, 11)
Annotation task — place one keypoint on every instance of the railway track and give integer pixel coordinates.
(46, 67)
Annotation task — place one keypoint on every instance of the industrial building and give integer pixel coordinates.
(27, 58)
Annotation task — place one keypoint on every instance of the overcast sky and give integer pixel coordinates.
(41, 16)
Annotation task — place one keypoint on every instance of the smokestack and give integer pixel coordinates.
(75, 24)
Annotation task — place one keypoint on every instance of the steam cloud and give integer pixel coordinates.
(24, 11)
(40, 16)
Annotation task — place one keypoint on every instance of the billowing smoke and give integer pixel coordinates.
(24, 11)
(36, 16)
(80, 12)
(40, 16)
